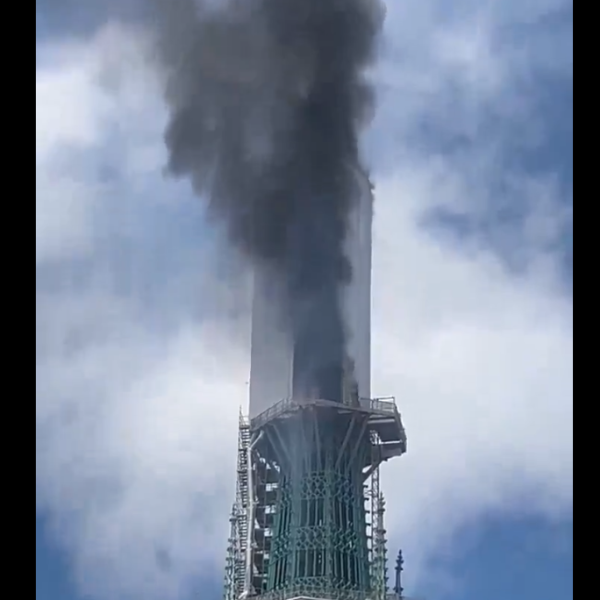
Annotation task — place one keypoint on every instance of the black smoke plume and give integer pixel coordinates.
(266, 99)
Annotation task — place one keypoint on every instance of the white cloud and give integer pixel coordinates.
(481, 363)
(84, 92)
(67, 110)
(136, 423)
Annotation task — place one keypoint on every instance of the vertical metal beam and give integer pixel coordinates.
(345, 442)
(360, 441)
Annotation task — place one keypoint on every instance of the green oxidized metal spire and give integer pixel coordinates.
(319, 539)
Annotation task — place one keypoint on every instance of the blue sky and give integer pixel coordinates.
(141, 315)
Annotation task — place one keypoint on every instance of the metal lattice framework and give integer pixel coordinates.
(319, 537)
(308, 518)
(379, 574)
(237, 551)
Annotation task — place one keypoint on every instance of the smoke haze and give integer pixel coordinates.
(266, 102)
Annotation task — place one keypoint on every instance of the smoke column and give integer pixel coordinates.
(266, 99)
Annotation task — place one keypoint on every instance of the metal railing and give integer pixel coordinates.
(276, 410)
(385, 404)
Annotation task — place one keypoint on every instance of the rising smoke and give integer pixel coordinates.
(266, 101)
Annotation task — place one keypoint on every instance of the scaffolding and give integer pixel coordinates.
(308, 521)
(235, 569)
(378, 554)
